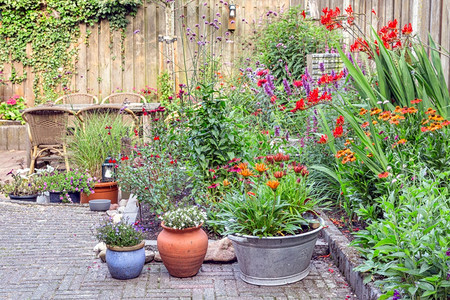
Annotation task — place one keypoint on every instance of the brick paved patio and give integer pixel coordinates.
(46, 253)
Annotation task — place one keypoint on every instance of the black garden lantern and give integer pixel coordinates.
(109, 170)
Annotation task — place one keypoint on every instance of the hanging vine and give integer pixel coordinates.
(50, 27)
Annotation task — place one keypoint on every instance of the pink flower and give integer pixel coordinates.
(11, 101)
(213, 186)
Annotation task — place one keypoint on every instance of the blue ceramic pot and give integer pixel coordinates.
(125, 262)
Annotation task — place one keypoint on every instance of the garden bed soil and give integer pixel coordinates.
(340, 219)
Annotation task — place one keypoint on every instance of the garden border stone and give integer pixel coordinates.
(346, 259)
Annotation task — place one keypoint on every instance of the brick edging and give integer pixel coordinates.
(346, 259)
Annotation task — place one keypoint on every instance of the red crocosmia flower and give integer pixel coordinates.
(393, 24)
(340, 121)
(156, 138)
(323, 139)
(415, 101)
(198, 87)
(262, 73)
(349, 10)
(303, 14)
(251, 194)
(407, 29)
(298, 83)
(299, 105)
(338, 131)
(273, 99)
(124, 158)
(261, 82)
(373, 11)
(383, 175)
(110, 161)
(172, 162)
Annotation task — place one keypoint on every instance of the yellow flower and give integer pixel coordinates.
(430, 111)
(226, 182)
(362, 111)
(273, 184)
(375, 111)
(261, 168)
(435, 117)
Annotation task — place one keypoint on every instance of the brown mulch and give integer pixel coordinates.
(340, 219)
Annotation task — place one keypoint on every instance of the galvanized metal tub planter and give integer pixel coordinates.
(274, 261)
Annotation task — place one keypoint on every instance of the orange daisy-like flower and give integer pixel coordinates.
(375, 111)
(362, 111)
(401, 141)
(385, 115)
(367, 133)
(398, 109)
(273, 184)
(445, 123)
(251, 194)
(365, 124)
(349, 158)
(369, 155)
(243, 166)
(415, 101)
(374, 122)
(261, 168)
(424, 129)
(435, 117)
(411, 110)
(434, 126)
(226, 182)
(347, 142)
(344, 152)
(430, 111)
(383, 175)
(246, 173)
(425, 121)
(394, 121)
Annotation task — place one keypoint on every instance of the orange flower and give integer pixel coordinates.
(445, 123)
(383, 175)
(430, 111)
(362, 111)
(434, 126)
(425, 121)
(367, 133)
(226, 182)
(365, 124)
(402, 141)
(246, 173)
(374, 122)
(261, 168)
(385, 116)
(273, 184)
(411, 110)
(347, 142)
(251, 194)
(349, 158)
(375, 111)
(398, 109)
(344, 152)
(415, 101)
(435, 117)
(243, 166)
(369, 155)
(394, 121)
(278, 174)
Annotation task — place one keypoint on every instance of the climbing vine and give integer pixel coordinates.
(39, 33)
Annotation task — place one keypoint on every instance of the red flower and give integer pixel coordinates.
(407, 29)
(198, 87)
(393, 24)
(383, 175)
(299, 105)
(338, 131)
(124, 158)
(323, 139)
(261, 82)
(340, 121)
(349, 10)
(262, 73)
(415, 101)
(251, 194)
(213, 186)
(373, 11)
(273, 99)
(156, 138)
(298, 83)
(303, 14)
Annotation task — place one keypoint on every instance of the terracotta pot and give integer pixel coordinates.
(103, 190)
(182, 250)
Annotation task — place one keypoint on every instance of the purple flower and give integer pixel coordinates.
(136, 31)
(396, 295)
(322, 67)
(287, 88)
(448, 252)
(268, 90)
(277, 130)
(270, 82)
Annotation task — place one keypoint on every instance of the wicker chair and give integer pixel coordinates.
(77, 98)
(47, 127)
(121, 98)
(111, 109)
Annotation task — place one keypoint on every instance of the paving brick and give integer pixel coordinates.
(46, 253)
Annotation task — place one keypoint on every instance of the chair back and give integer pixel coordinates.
(46, 125)
(110, 109)
(121, 98)
(77, 98)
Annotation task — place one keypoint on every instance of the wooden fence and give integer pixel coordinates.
(104, 64)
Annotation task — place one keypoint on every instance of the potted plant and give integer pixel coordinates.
(99, 138)
(269, 215)
(23, 187)
(183, 243)
(67, 186)
(125, 252)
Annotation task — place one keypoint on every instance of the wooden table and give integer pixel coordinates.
(136, 108)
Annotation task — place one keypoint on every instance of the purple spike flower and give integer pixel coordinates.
(287, 88)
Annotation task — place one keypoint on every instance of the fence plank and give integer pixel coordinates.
(92, 61)
(139, 51)
(128, 72)
(80, 68)
(105, 59)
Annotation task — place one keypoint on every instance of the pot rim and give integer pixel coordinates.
(105, 184)
(126, 249)
(321, 221)
(180, 230)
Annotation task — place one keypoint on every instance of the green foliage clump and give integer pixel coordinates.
(10, 110)
(119, 234)
(48, 29)
(283, 45)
